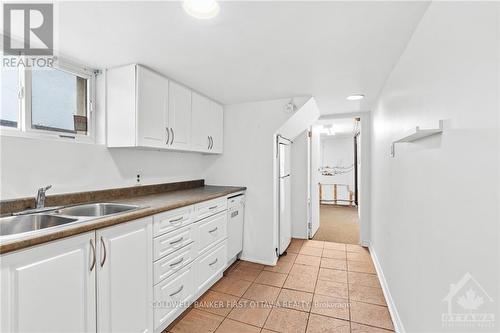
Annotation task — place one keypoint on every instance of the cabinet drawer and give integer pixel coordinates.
(172, 296)
(174, 262)
(210, 265)
(211, 231)
(172, 220)
(168, 243)
(209, 208)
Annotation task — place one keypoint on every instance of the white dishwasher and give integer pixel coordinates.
(235, 217)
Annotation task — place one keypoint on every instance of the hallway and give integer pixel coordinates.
(317, 287)
(338, 224)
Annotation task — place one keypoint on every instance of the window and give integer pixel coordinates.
(9, 108)
(47, 101)
(56, 98)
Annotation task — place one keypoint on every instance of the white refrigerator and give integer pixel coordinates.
(284, 192)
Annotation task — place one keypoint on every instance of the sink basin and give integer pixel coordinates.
(26, 223)
(97, 209)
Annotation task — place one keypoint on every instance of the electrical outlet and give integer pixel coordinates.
(138, 178)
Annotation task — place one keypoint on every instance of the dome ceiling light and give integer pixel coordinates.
(201, 9)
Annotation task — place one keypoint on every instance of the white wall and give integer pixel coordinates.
(299, 171)
(27, 164)
(248, 160)
(436, 204)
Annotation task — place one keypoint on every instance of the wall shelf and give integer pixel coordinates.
(417, 134)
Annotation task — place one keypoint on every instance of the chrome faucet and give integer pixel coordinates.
(40, 196)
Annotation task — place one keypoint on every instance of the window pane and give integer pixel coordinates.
(9, 106)
(58, 101)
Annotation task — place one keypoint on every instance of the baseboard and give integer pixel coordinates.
(258, 261)
(398, 324)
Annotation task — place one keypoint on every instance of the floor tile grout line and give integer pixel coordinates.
(348, 290)
(293, 262)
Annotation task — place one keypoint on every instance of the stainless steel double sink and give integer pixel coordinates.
(32, 222)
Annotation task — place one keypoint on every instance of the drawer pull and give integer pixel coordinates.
(176, 241)
(176, 220)
(213, 207)
(213, 230)
(178, 291)
(177, 262)
(214, 262)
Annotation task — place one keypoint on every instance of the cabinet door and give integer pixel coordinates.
(216, 127)
(179, 116)
(50, 288)
(200, 123)
(152, 108)
(125, 277)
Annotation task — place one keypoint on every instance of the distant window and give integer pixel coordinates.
(9, 110)
(58, 101)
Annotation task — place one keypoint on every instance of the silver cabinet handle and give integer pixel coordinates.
(173, 136)
(177, 262)
(213, 207)
(214, 262)
(104, 251)
(176, 220)
(211, 142)
(168, 135)
(213, 230)
(178, 291)
(176, 241)
(92, 247)
(208, 142)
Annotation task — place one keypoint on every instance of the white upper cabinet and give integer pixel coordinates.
(217, 127)
(50, 288)
(200, 138)
(207, 125)
(179, 116)
(152, 108)
(137, 107)
(145, 109)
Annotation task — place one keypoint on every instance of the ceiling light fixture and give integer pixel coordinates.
(355, 97)
(201, 9)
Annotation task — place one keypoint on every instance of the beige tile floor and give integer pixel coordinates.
(317, 287)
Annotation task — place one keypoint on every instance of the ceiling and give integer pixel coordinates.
(252, 51)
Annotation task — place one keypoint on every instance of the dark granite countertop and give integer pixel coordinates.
(152, 203)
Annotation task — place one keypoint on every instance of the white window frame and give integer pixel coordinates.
(24, 126)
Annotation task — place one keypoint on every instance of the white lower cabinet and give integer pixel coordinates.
(125, 277)
(210, 267)
(211, 230)
(172, 263)
(50, 288)
(173, 296)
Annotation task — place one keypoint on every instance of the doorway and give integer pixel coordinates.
(335, 172)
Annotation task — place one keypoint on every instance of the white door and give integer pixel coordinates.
(50, 288)
(200, 123)
(315, 164)
(285, 220)
(152, 108)
(125, 277)
(179, 116)
(216, 128)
